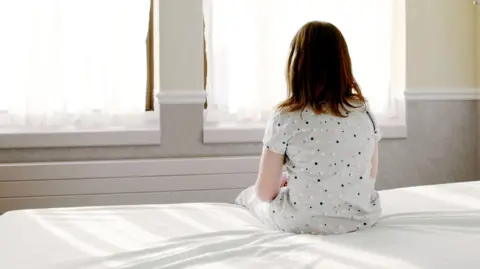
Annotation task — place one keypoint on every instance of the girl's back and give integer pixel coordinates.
(328, 163)
(325, 138)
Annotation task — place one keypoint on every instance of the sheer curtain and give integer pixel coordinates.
(248, 41)
(72, 63)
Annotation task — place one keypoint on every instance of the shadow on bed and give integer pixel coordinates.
(270, 248)
(206, 248)
(396, 239)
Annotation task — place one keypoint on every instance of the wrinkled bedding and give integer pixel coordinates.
(431, 227)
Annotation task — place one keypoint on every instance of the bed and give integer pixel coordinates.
(434, 227)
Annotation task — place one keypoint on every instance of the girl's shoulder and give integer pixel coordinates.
(357, 106)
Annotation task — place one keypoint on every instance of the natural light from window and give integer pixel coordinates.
(72, 64)
(247, 45)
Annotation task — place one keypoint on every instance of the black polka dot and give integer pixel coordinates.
(298, 129)
(311, 138)
(273, 211)
(335, 164)
(318, 180)
(338, 122)
(283, 143)
(325, 121)
(325, 224)
(316, 163)
(294, 203)
(321, 203)
(296, 177)
(291, 217)
(348, 165)
(318, 150)
(365, 224)
(359, 153)
(354, 135)
(359, 210)
(311, 207)
(278, 125)
(358, 193)
(361, 177)
(268, 147)
(306, 122)
(325, 190)
(343, 185)
(350, 205)
(374, 204)
(338, 141)
(343, 131)
(293, 166)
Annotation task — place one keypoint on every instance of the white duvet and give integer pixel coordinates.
(434, 227)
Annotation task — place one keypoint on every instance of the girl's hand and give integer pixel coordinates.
(283, 180)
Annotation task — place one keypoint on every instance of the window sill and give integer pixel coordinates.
(394, 128)
(147, 133)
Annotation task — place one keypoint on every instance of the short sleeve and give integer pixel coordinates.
(277, 134)
(377, 133)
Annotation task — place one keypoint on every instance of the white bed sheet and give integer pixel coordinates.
(433, 227)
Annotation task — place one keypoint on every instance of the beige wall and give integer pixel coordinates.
(440, 46)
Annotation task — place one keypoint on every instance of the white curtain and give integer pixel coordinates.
(248, 42)
(72, 63)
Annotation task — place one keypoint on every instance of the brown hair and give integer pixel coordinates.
(319, 72)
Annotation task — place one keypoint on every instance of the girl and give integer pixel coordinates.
(325, 138)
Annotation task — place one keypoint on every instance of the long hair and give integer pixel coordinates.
(319, 72)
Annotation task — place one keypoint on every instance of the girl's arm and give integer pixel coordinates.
(373, 172)
(269, 175)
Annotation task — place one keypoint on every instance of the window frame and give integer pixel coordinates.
(393, 127)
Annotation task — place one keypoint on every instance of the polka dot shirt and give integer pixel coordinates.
(328, 163)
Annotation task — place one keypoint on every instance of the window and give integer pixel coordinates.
(78, 66)
(247, 45)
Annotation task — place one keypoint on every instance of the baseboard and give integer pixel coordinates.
(442, 94)
(65, 184)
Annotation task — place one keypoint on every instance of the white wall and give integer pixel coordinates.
(181, 45)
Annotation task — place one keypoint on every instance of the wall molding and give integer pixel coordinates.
(190, 96)
(180, 96)
(93, 183)
(442, 94)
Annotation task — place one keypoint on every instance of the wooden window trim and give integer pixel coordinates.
(150, 85)
(205, 64)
